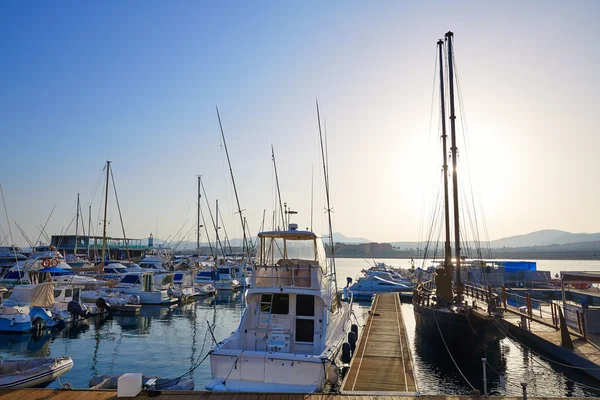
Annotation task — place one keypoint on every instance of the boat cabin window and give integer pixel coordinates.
(274, 249)
(178, 277)
(204, 274)
(131, 279)
(305, 305)
(68, 293)
(57, 293)
(280, 303)
(109, 271)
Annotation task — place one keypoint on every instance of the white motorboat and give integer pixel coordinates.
(378, 281)
(13, 319)
(223, 277)
(294, 325)
(45, 309)
(149, 288)
(16, 374)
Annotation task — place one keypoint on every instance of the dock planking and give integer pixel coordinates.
(85, 394)
(382, 361)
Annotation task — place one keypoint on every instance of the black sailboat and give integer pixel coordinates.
(440, 307)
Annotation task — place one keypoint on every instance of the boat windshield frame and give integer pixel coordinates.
(278, 245)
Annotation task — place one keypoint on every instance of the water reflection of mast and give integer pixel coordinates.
(194, 334)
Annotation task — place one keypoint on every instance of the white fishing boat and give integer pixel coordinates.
(294, 324)
(15, 374)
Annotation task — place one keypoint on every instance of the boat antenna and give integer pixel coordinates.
(459, 288)
(104, 223)
(326, 177)
(277, 182)
(237, 199)
(447, 247)
(198, 222)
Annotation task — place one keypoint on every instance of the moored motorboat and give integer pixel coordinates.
(16, 374)
(294, 325)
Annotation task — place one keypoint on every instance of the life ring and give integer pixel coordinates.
(54, 262)
(46, 263)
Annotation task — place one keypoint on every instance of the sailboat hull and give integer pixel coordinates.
(456, 327)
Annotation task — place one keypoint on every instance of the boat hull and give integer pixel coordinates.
(14, 326)
(455, 327)
(39, 374)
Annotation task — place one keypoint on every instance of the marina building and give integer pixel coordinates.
(91, 246)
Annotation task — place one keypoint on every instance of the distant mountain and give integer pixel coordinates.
(544, 238)
(340, 238)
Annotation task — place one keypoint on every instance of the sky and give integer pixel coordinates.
(137, 83)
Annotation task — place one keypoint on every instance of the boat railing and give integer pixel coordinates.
(285, 274)
(548, 313)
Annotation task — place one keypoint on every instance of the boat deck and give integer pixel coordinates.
(382, 362)
(57, 394)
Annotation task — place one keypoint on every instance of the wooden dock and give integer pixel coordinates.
(76, 394)
(382, 363)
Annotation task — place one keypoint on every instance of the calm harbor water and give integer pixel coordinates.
(169, 341)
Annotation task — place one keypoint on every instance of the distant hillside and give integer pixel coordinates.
(340, 238)
(544, 238)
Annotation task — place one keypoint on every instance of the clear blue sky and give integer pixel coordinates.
(136, 82)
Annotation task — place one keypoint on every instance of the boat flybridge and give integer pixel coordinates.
(294, 324)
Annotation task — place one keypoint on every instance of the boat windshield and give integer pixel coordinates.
(275, 249)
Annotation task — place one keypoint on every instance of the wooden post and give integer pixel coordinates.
(504, 296)
(529, 309)
(552, 309)
(578, 321)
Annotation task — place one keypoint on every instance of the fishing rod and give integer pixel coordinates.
(44, 227)
(24, 235)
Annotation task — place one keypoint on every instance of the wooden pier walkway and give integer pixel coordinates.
(382, 363)
(76, 394)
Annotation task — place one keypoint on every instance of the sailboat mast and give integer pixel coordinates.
(278, 191)
(237, 199)
(90, 233)
(105, 211)
(76, 227)
(198, 223)
(454, 150)
(447, 247)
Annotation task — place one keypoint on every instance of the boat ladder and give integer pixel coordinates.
(264, 312)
